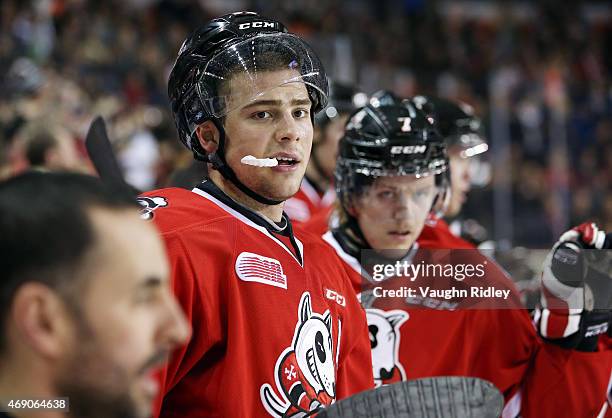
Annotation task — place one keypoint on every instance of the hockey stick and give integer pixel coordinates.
(436, 397)
(103, 158)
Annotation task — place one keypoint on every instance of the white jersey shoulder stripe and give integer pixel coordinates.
(348, 259)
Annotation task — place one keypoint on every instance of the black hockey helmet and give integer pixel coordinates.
(388, 137)
(456, 122)
(343, 99)
(242, 43)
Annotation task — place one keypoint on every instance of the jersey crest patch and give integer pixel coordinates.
(305, 372)
(149, 204)
(385, 341)
(252, 267)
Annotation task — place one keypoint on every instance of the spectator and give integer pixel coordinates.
(49, 147)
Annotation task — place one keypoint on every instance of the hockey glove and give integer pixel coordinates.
(577, 289)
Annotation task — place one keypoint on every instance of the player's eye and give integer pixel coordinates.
(301, 113)
(320, 350)
(385, 194)
(262, 114)
(421, 194)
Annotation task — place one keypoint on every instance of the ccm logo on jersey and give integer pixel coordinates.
(408, 149)
(335, 296)
(256, 25)
(252, 267)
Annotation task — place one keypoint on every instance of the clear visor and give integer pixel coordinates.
(247, 70)
(408, 193)
(375, 169)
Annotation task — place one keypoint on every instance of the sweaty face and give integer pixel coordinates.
(127, 324)
(277, 124)
(327, 148)
(460, 182)
(392, 211)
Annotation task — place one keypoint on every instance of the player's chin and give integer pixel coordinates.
(399, 244)
(283, 189)
(394, 253)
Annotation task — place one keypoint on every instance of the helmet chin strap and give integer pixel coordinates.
(219, 163)
(351, 224)
(442, 199)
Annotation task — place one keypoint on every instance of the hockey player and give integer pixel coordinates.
(277, 330)
(389, 175)
(462, 132)
(317, 193)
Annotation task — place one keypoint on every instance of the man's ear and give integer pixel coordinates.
(41, 319)
(208, 136)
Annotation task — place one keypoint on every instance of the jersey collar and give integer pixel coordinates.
(208, 190)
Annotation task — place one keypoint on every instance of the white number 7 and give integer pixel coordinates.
(406, 124)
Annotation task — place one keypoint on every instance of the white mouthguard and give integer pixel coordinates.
(259, 162)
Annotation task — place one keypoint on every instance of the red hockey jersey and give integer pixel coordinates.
(437, 234)
(433, 336)
(307, 202)
(319, 223)
(277, 330)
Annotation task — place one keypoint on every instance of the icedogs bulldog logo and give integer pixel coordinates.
(305, 372)
(149, 204)
(385, 340)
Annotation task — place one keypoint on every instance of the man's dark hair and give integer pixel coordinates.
(45, 229)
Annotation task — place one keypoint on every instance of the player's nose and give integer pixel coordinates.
(174, 328)
(403, 206)
(288, 128)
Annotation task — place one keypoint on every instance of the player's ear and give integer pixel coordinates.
(208, 135)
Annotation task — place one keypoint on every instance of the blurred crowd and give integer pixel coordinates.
(538, 74)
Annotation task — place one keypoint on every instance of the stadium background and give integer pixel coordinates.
(538, 73)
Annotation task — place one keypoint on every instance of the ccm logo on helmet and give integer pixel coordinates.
(256, 25)
(408, 149)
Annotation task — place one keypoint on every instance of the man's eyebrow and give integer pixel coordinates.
(150, 282)
(387, 186)
(299, 102)
(278, 103)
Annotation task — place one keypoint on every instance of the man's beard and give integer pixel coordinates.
(93, 384)
(88, 401)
